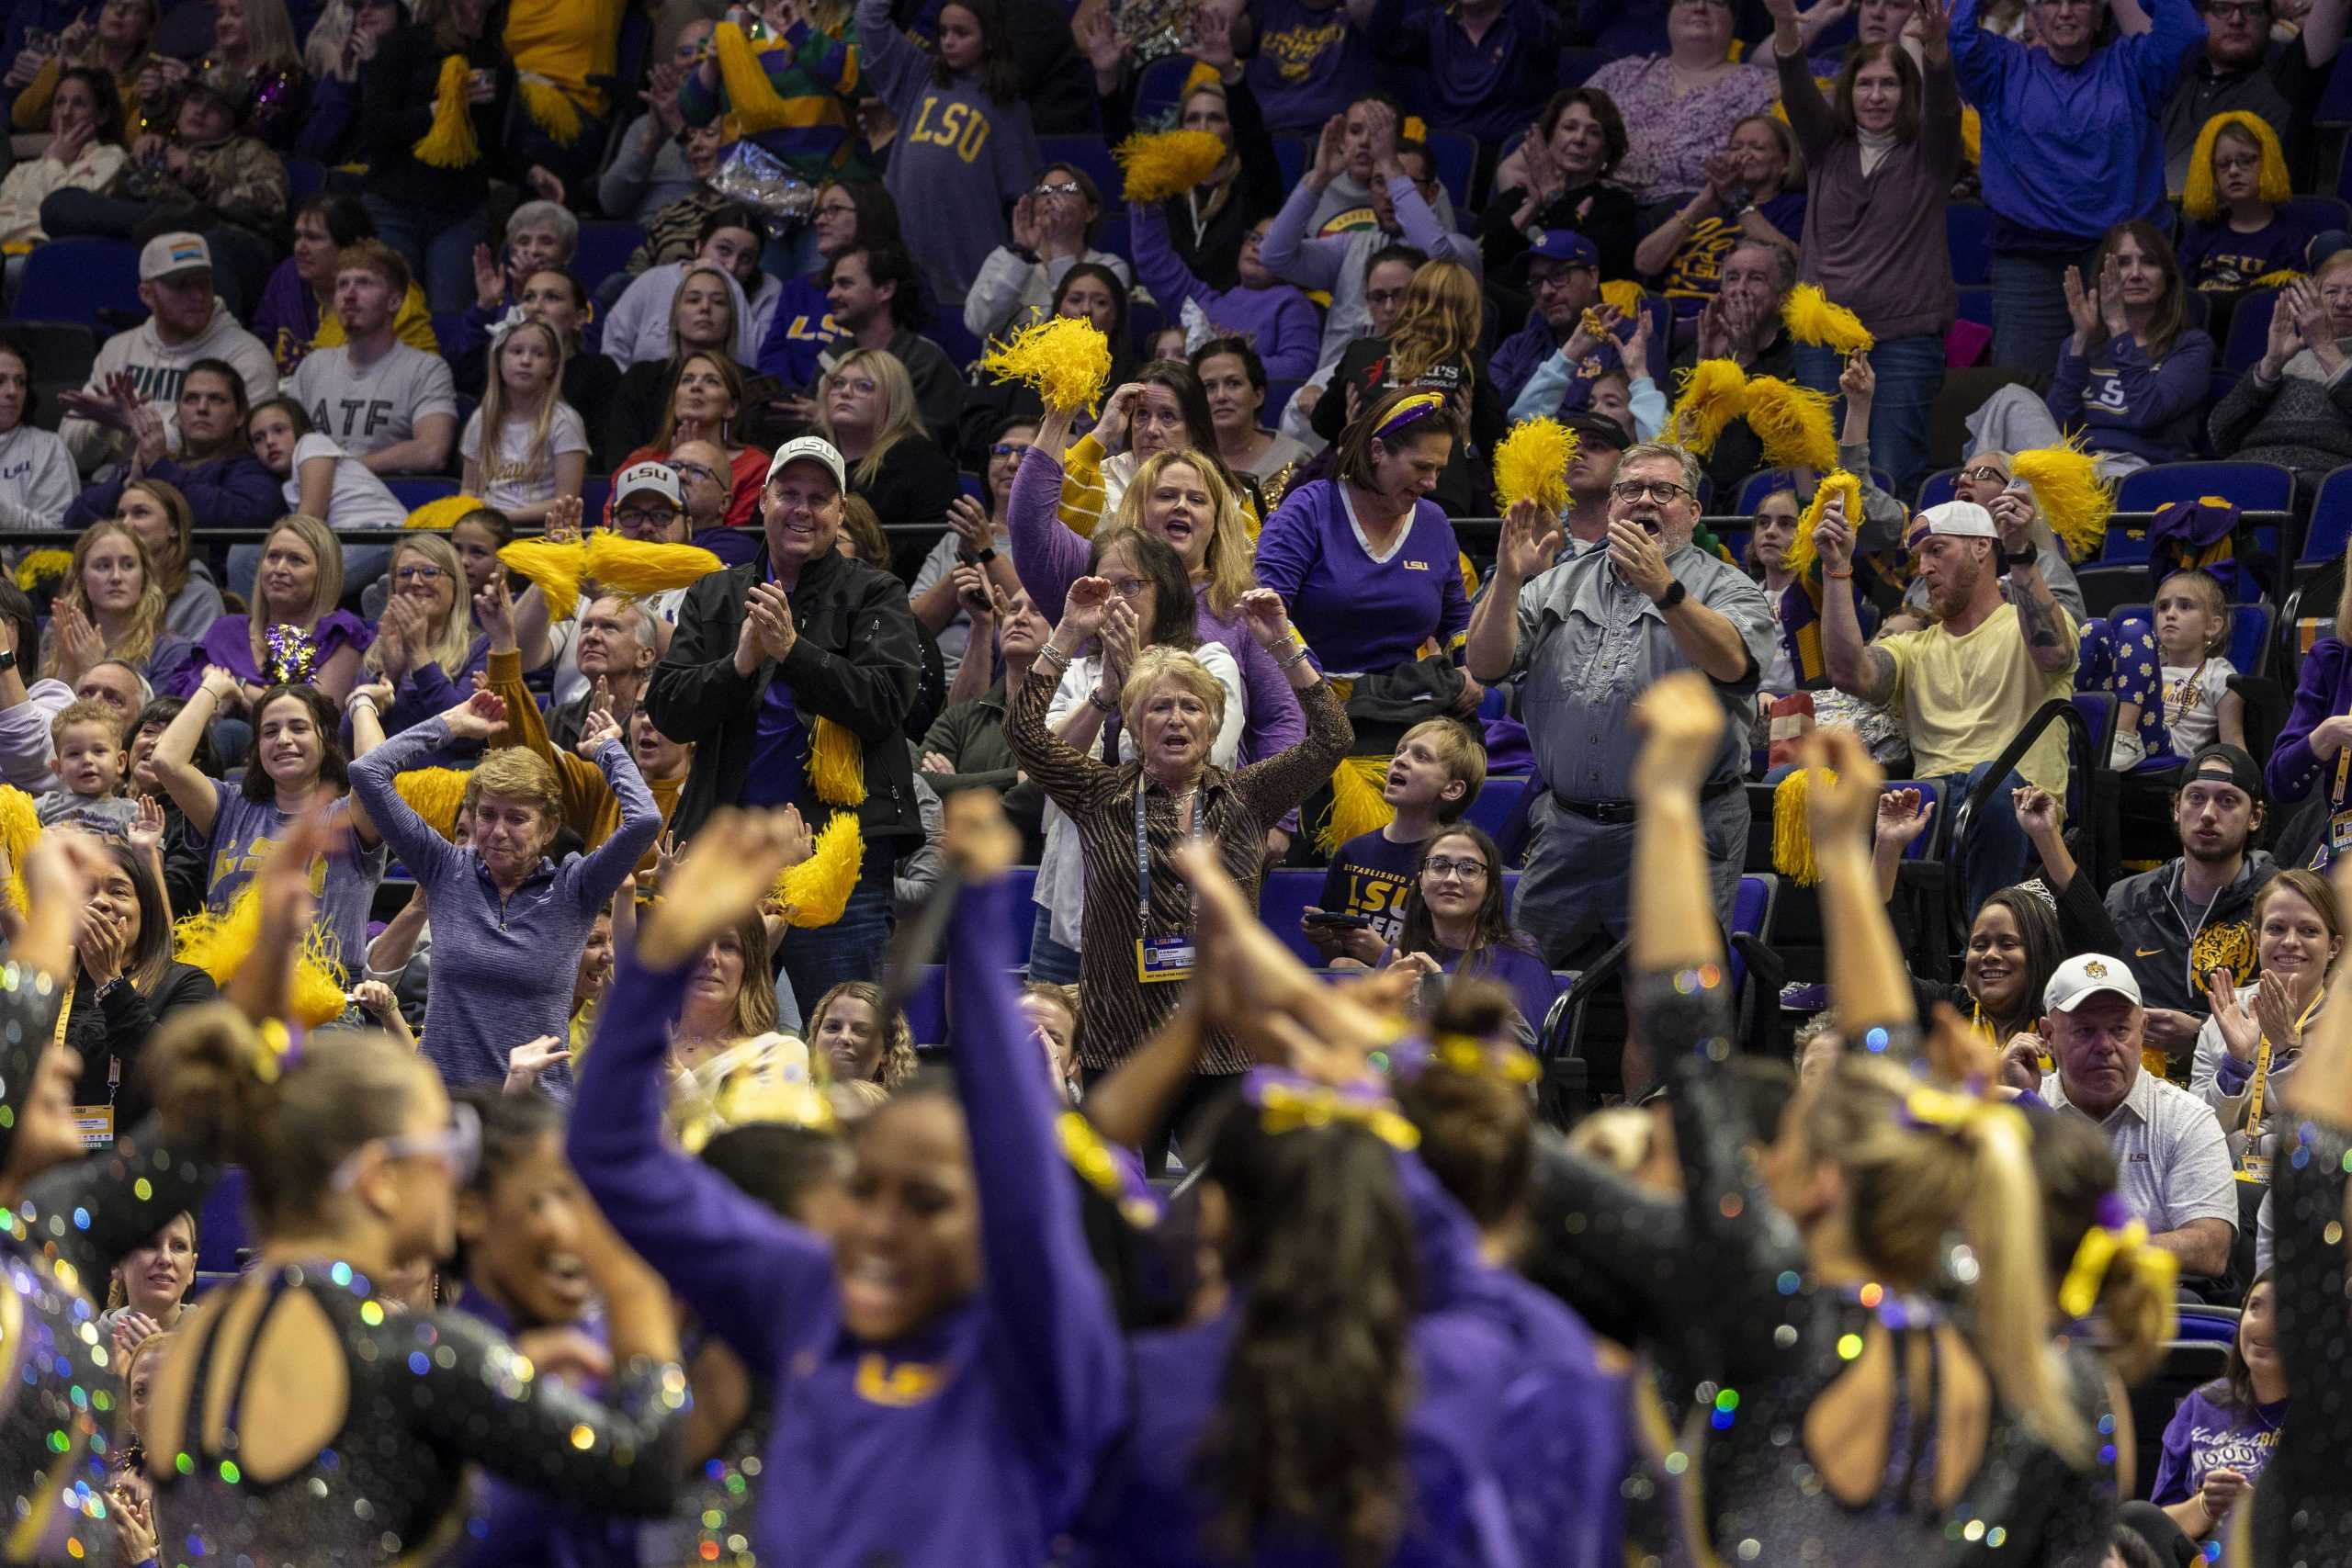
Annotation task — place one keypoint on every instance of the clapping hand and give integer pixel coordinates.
(2083, 307)
(2110, 296)
(598, 727)
(1107, 49)
(2274, 1010)
(1723, 176)
(1331, 152)
(1213, 37)
(2285, 338)
(146, 833)
(1903, 816)
(111, 405)
(83, 645)
(564, 514)
(489, 279)
(479, 717)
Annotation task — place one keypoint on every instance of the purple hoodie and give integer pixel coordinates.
(1279, 320)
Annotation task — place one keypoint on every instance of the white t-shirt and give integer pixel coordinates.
(2192, 700)
(359, 500)
(368, 407)
(510, 478)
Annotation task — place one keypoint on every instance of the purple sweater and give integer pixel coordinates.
(971, 1440)
(1280, 321)
(2126, 403)
(2323, 691)
(1357, 614)
(1050, 558)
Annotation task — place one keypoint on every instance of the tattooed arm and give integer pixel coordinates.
(2049, 634)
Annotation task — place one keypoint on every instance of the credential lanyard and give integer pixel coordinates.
(1158, 959)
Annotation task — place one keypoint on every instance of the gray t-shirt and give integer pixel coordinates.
(368, 408)
(244, 833)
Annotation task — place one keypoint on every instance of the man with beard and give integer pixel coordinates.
(1585, 639)
(1601, 442)
(1563, 283)
(1965, 686)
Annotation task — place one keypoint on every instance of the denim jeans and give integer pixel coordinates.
(1910, 372)
(1996, 856)
(2030, 319)
(852, 947)
(439, 248)
(362, 565)
(1049, 960)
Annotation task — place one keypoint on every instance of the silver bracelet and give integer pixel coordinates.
(1294, 659)
(1061, 660)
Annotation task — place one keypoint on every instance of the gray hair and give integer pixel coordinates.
(1785, 260)
(1681, 457)
(146, 692)
(648, 628)
(549, 215)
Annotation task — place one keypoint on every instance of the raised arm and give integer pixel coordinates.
(175, 753)
(1853, 667)
(420, 847)
(1530, 539)
(1069, 775)
(1047, 554)
(602, 869)
(753, 1277)
(1279, 784)
(2049, 636)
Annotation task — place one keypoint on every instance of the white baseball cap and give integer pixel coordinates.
(659, 478)
(167, 255)
(1953, 520)
(2085, 976)
(811, 449)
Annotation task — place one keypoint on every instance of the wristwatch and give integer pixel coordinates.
(1675, 594)
(8, 660)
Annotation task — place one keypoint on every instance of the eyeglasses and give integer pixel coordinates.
(1129, 588)
(1008, 449)
(636, 518)
(1384, 296)
(836, 209)
(1068, 187)
(458, 1148)
(1984, 471)
(697, 469)
(1666, 493)
(1467, 870)
(419, 574)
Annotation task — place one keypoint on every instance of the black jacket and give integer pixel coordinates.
(2153, 929)
(108, 1035)
(854, 660)
(397, 91)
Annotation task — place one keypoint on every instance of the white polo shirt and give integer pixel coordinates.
(2173, 1161)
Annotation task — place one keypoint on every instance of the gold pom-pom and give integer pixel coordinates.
(2279, 279)
(837, 765)
(1792, 854)
(1810, 318)
(1792, 423)
(1714, 392)
(549, 110)
(1065, 359)
(434, 794)
(1531, 463)
(1623, 293)
(450, 143)
(556, 569)
(815, 892)
(2069, 495)
(43, 566)
(20, 832)
(220, 944)
(1357, 807)
(1837, 482)
(1167, 163)
(636, 568)
(442, 515)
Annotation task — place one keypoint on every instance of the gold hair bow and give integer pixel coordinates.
(1475, 1058)
(2102, 1249)
(1283, 1108)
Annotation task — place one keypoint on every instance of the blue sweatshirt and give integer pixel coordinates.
(1489, 89)
(1310, 64)
(2071, 150)
(1361, 615)
(2124, 404)
(801, 329)
(968, 1441)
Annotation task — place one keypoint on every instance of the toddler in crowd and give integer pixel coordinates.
(2192, 627)
(1439, 767)
(2235, 231)
(525, 446)
(89, 762)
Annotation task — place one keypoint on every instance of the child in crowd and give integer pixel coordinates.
(2237, 231)
(89, 762)
(1439, 767)
(2192, 628)
(1457, 922)
(537, 446)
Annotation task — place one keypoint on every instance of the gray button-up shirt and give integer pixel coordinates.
(2172, 1162)
(1591, 644)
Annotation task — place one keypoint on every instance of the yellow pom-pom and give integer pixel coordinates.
(1623, 293)
(815, 892)
(442, 515)
(450, 143)
(2278, 280)
(434, 794)
(1531, 463)
(1838, 482)
(20, 832)
(1167, 163)
(1792, 423)
(837, 765)
(636, 568)
(2069, 495)
(1810, 318)
(1971, 135)
(549, 110)
(1714, 392)
(1065, 359)
(43, 566)
(556, 569)
(1792, 854)
(220, 944)
(1357, 807)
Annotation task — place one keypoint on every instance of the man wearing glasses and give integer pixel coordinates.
(1584, 640)
(2241, 69)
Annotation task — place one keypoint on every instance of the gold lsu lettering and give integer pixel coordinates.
(960, 127)
(232, 861)
(1295, 50)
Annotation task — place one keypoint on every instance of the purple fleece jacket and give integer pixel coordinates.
(2124, 402)
(970, 1439)
(2323, 691)
(1279, 320)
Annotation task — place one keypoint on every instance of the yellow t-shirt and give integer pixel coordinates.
(1964, 698)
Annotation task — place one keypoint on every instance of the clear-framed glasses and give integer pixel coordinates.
(456, 1147)
(1984, 471)
(697, 469)
(1129, 588)
(1063, 188)
(1467, 870)
(1666, 493)
(419, 573)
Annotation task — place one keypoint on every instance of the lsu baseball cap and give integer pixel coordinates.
(1953, 520)
(1565, 245)
(2224, 763)
(659, 478)
(166, 254)
(811, 449)
(2085, 976)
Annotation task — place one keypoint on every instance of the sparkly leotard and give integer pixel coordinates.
(2302, 1515)
(59, 1386)
(1734, 1304)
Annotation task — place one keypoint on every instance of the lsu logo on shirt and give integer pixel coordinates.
(250, 857)
(1379, 894)
(1294, 50)
(959, 128)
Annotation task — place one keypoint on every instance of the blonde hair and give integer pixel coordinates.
(1464, 754)
(494, 413)
(2209, 595)
(518, 773)
(326, 588)
(146, 625)
(1159, 666)
(1911, 1188)
(269, 36)
(897, 1063)
(1439, 324)
(453, 639)
(900, 417)
(1230, 563)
